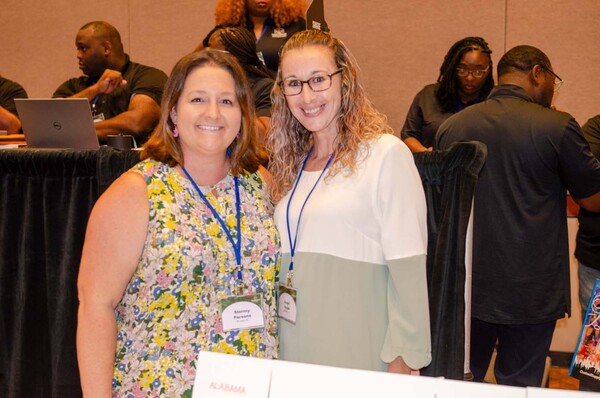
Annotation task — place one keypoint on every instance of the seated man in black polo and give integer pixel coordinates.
(9, 119)
(124, 96)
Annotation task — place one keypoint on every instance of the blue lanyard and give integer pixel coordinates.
(287, 210)
(265, 26)
(237, 246)
(94, 105)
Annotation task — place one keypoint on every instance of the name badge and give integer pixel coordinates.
(242, 312)
(279, 34)
(98, 117)
(287, 303)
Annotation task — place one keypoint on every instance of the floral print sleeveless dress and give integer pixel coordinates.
(170, 310)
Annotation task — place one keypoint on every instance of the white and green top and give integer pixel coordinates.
(359, 264)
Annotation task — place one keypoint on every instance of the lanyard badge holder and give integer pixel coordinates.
(238, 311)
(287, 293)
(96, 115)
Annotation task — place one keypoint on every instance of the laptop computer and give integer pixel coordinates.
(57, 123)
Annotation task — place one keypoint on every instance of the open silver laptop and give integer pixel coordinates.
(57, 123)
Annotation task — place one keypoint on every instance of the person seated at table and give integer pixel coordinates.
(188, 230)
(465, 79)
(9, 118)
(124, 95)
(353, 289)
(239, 42)
(272, 22)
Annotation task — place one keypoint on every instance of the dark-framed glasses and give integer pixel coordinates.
(476, 73)
(558, 82)
(316, 83)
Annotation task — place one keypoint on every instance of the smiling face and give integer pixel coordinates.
(469, 85)
(208, 115)
(316, 111)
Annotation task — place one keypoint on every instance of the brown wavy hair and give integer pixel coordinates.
(358, 122)
(162, 146)
(283, 12)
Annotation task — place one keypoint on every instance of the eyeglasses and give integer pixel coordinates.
(558, 82)
(316, 83)
(476, 73)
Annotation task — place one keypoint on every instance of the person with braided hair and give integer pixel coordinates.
(273, 22)
(465, 79)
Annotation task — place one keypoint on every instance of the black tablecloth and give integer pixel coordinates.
(45, 199)
(449, 178)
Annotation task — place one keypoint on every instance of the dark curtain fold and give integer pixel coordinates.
(449, 179)
(45, 199)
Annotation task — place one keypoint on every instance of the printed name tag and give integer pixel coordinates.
(98, 117)
(279, 34)
(242, 312)
(287, 303)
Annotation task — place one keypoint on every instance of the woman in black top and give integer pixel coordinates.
(273, 22)
(465, 79)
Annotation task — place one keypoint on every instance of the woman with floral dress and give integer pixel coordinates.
(179, 241)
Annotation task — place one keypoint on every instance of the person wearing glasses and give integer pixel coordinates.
(465, 79)
(520, 283)
(352, 218)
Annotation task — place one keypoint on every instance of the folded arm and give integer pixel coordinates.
(141, 117)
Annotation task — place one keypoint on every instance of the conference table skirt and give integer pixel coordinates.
(45, 200)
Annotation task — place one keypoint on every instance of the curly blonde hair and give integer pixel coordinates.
(283, 12)
(358, 121)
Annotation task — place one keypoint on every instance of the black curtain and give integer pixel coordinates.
(449, 179)
(45, 199)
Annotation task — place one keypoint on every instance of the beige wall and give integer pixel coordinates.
(399, 44)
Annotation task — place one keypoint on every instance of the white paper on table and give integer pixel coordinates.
(533, 392)
(469, 389)
(299, 380)
(222, 375)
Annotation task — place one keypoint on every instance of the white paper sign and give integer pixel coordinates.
(222, 375)
(554, 393)
(298, 380)
(469, 389)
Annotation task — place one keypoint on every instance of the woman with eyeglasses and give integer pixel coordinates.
(352, 218)
(465, 79)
